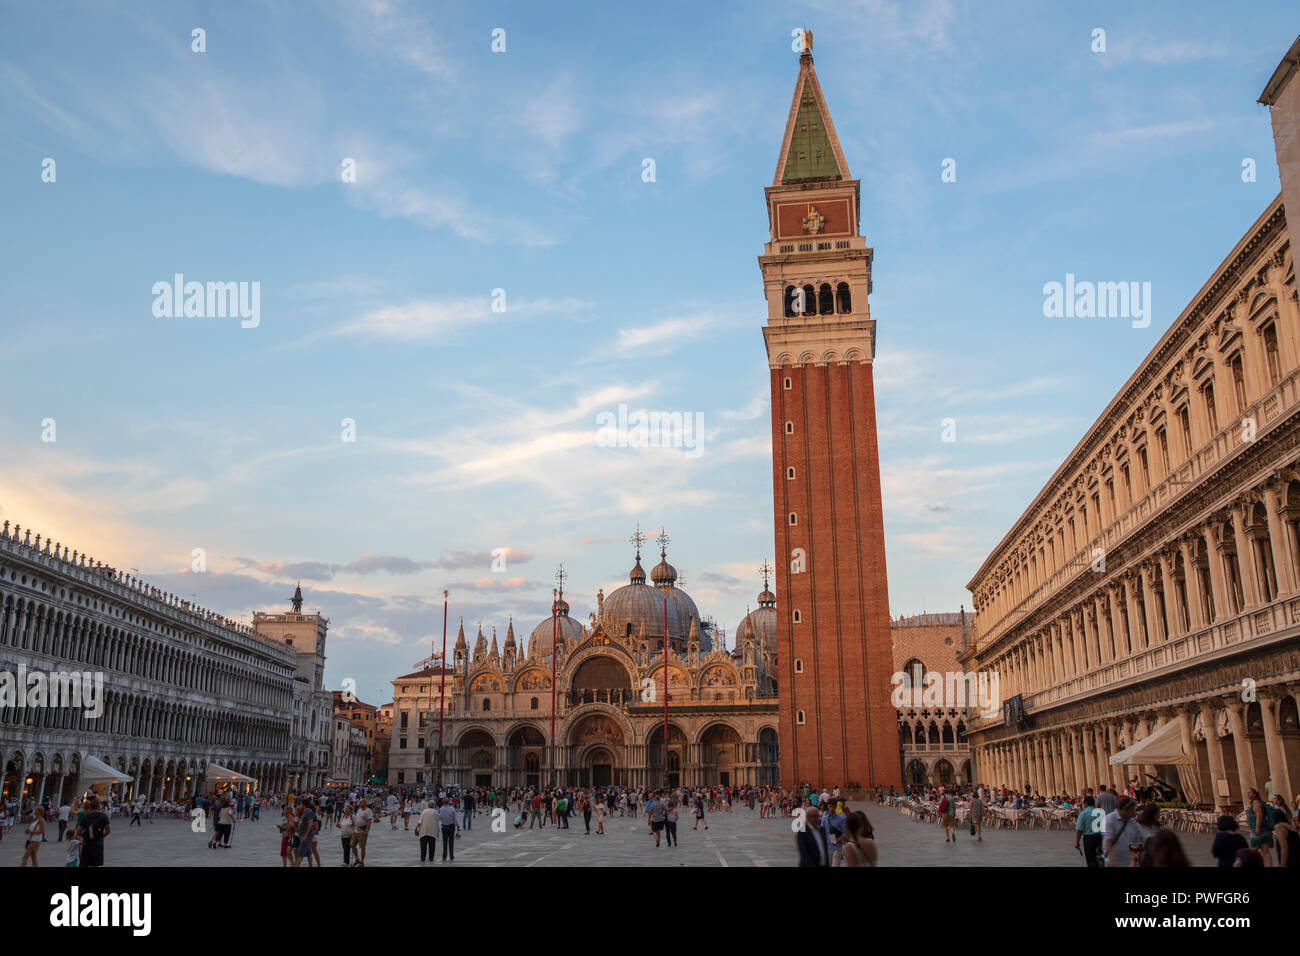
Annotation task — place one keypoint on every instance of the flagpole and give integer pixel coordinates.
(665, 686)
(442, 687)
(555, 656)
(663, 554)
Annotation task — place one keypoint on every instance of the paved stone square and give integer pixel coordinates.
(740, 838)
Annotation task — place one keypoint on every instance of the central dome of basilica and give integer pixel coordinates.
(641, 607)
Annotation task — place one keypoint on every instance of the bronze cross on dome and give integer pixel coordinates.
(637, 539)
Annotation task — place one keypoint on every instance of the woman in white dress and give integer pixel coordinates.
(601, 810)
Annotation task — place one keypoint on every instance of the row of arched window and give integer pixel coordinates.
(141, 718)
(34, 626)
(818, 300)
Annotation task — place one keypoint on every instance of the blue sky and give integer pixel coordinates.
(522, 171)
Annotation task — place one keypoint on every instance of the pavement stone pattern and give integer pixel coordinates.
(739, 838)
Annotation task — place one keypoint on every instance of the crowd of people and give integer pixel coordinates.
(1111, 827)
(81, 826)
(1123, 827)
(829, 833)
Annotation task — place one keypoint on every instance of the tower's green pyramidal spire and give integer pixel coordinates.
(812, 150)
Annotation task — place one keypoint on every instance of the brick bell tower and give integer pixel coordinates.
(837, 725)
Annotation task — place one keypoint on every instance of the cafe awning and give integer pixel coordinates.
(1163, 746)
(218, 772)
(94, 771)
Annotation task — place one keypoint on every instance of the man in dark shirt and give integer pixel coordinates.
(1227, 841)
(94, 827)
(307, 827)
(1105, 799)
(657, 811)
(811, 840)
(467, 810)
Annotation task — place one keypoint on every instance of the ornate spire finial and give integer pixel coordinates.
(807, 40)
(663, 540)
(560, 576)
(766, 570)
(638, 539)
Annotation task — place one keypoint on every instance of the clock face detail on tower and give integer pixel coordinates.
(814, 222)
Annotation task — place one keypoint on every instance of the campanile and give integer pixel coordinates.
(837, 725)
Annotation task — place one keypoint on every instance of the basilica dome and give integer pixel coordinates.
(570, 631)
(642, 607)
(760, 624)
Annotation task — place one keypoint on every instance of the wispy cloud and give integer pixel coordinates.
(427, 319)
(664, 336)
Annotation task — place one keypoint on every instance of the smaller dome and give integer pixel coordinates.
(766, 598)
(637, 574)
(664, 573)
(540, 641)
(560, 606)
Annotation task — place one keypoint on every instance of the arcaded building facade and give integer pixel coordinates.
(608, 687)
(183, 686)
(1156, 578)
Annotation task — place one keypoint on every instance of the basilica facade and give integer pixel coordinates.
(584, 704)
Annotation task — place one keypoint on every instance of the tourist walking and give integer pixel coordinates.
(225, 824)
(586, 813)
(467, 811)
(65, 811)
(949, 817)
(307, 827)
(601, 811)
(811, 840)
(657, 813)
(1105, 800)
(670, 822)
(73, 852)
(1227, 842)
(1087, 832)
(834, 824)
(699, 812)
(288, 832)
(361, 833)
(447, 814)
(35, 836)
(977, 816)
(1286, 837)
(95, 828)
(536, 814)
(347, 827)
(426, 828)
(1120, 833)
(1259, 823)
(860, 842)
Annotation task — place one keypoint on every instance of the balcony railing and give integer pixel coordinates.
(1220, 637)
(1278, 401)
